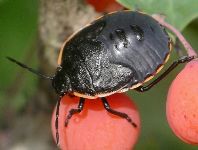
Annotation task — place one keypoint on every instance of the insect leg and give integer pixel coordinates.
(75, 111)
(56, 121)
(117, 113)
(183, 59)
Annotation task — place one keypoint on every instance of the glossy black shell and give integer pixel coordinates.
(114, 52)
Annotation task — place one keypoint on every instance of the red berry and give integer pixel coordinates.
(105, 5)
(182, 104)
(96, 129)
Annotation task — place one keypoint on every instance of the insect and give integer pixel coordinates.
(116, 52)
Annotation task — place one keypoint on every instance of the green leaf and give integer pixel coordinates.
(178, 12)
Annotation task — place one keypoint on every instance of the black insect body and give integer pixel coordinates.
(117, 52)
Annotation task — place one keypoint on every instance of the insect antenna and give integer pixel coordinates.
(28, 68)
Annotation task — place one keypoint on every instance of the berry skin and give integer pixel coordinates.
(96, 129)
(182, 104)
(105, 5)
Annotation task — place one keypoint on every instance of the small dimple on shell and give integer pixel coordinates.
(138, 32)
(111, 36)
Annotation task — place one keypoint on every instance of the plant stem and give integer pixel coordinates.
(187, 46)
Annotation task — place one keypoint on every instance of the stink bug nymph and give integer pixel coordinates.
(116, 52)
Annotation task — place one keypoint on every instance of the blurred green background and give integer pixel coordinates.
(18, 33)
(18, 26)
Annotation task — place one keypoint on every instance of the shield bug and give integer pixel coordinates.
(116, 52)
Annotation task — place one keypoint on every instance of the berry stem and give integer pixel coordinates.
(187, 46)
